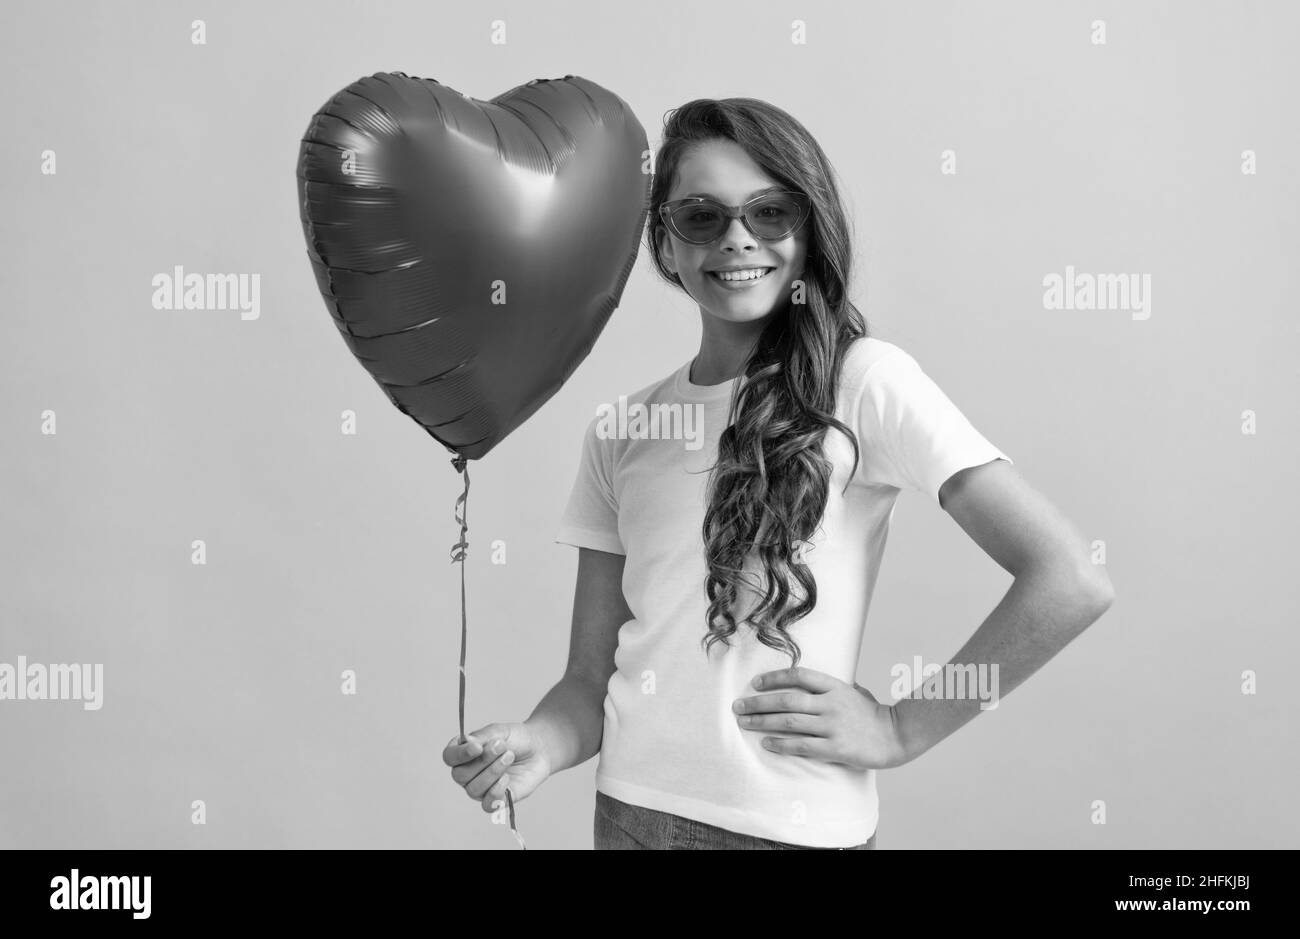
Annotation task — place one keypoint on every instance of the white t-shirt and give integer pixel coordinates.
(671, 739)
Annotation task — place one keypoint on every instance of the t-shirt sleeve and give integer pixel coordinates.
(590, 519)
(911, 434)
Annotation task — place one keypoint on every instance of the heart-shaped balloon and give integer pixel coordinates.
(472, 251)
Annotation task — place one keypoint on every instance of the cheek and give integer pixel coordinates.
(691, 261)
(693, 282)
(689, 269)
(799, 264)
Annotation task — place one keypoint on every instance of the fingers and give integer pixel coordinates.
(496, 796)
(813, 747)
(787, 723)
(800, 701)
(798, 677)
(478, 787)
(479, 765)
(468, 771)
(456, 753)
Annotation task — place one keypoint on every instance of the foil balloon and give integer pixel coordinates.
(471, 252)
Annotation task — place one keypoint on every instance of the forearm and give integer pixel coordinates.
(570, 721)
(1040, 614)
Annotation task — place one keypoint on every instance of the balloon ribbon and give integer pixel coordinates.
(458, 552)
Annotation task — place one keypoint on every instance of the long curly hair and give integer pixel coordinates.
(768, 487)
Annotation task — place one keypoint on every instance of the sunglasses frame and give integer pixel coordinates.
(733, 212)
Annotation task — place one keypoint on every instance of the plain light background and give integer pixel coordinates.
(329, 552)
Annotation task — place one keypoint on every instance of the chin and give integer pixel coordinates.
(743, 315)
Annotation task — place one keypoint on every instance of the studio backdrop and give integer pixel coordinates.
(223, 514)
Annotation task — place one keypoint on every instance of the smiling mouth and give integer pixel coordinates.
(747, 276)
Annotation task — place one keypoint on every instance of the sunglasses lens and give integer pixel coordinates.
(775, 217)
(772, 218)
(699, 223)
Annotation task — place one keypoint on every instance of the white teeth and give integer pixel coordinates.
(752, 273)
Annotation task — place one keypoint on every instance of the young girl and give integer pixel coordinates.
(724, 576)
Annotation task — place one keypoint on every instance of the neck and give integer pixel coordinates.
(724, 349)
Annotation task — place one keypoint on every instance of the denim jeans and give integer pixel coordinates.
(619, 826)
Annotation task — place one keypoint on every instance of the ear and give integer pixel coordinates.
(666, 247)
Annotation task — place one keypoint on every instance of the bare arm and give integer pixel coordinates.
(1057, 593)
(570, 719)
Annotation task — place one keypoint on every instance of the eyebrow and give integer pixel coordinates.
(753, 195)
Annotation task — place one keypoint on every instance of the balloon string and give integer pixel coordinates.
(458, 553)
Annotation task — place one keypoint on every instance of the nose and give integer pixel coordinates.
(737, 237)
